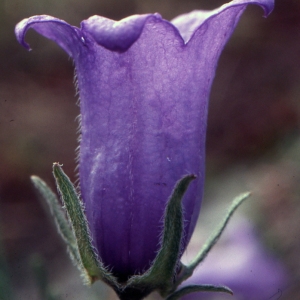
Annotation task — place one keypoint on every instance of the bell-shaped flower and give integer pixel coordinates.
(240, 261)
(144, 85)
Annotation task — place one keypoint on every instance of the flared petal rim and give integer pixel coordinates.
(120, 35)
(189, 23)
(116, 35)
(59, 31)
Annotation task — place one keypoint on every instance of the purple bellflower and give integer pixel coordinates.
(144, 85)
(241, 262)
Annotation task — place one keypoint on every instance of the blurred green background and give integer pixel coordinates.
(252, 143)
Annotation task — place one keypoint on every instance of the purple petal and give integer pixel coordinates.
(143, 98)
(65, 35)
(116, 35)
(240, 262)
(142, 131)
(188, 23)
(143, 127)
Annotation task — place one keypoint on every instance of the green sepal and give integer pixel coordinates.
(198, 288)
(94, 268)
(161, 274)
(62, 224)
(187, 271)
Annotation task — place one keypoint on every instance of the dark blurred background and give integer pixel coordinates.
(252, 143)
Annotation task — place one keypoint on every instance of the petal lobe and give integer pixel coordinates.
(116, 35)
(65, 35)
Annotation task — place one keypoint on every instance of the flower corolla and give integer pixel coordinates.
(144, 86)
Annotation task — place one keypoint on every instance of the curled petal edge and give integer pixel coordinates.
(266, 5)
(120, 35)
(59, 31)
(117, 35)
(188, 24)
(113, 35)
